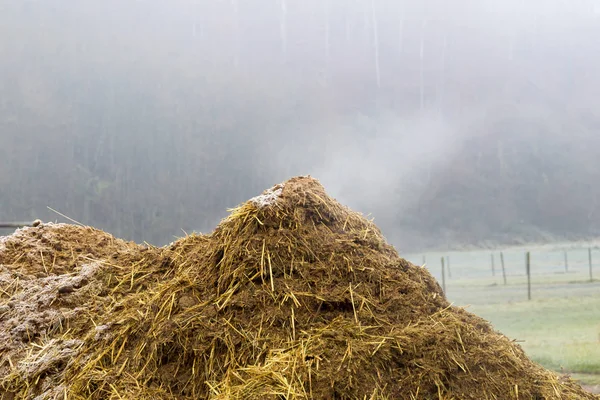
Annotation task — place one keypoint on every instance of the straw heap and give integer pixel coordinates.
(293, 296)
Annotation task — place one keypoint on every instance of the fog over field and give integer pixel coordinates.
(451, 123)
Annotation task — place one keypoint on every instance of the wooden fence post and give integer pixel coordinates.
(18, 224)
(566, 262)
(443, 276)
(493, 266)
(528, 276)
(503, 270)
(448, 266)
(590, 261)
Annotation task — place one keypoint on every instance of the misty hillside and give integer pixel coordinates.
(460, 123)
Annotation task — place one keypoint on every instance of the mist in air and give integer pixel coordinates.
(451, 123)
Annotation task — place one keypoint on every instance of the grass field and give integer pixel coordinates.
(559, 328)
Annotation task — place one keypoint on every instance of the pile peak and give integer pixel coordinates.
(292, 296)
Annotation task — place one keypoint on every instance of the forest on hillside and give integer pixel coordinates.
(451, 123)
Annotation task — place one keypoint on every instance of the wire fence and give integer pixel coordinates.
(514, 274)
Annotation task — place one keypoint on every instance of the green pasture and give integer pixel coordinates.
(559, 327)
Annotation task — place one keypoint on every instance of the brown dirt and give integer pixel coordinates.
(293, 296)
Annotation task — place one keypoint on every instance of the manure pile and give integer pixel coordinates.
(293, 296)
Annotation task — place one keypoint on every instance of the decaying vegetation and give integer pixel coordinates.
(293, 296)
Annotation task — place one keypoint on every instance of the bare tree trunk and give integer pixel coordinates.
(118, 199)
(401, 34)
(375, 43)
(347, 26)
(195, 22)
(283, 28)
(327, 35)
(500, 156)
(365, 20)
(421, 55)
(442, 81)
(593, 205)
(236, 17)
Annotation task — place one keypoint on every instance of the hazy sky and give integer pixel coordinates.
(377, 98)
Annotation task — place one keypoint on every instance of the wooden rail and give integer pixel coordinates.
(19, 224)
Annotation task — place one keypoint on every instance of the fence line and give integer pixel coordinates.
(570, 267)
